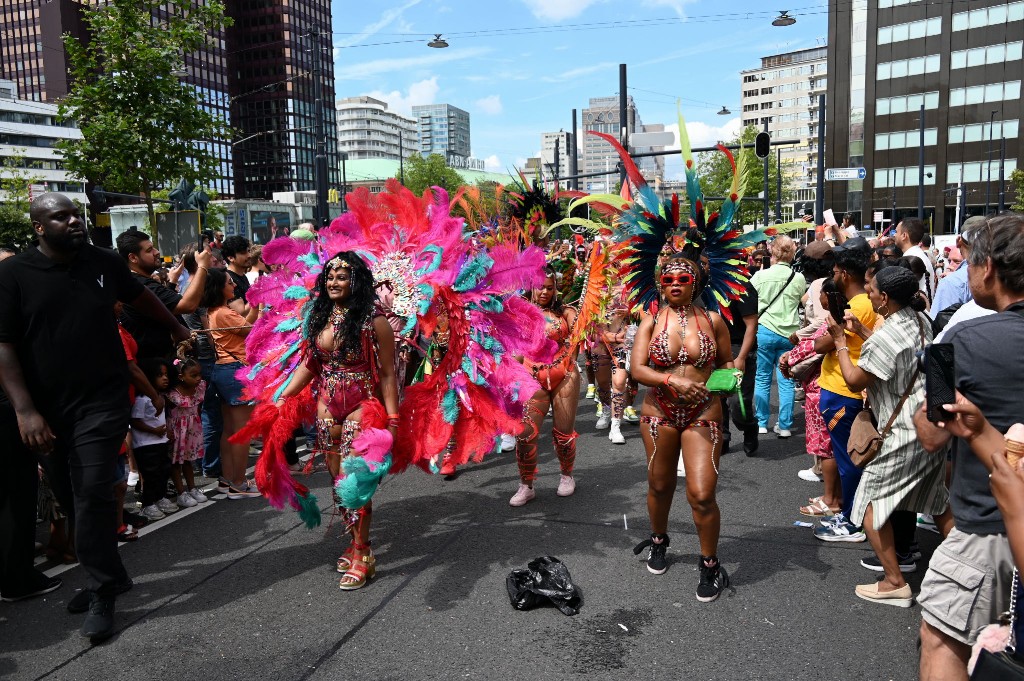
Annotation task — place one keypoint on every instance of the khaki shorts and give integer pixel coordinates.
(967, 585)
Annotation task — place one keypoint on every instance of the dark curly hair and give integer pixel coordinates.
(361, 300)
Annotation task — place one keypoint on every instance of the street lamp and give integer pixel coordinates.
(438, 42)
(988, 161)
(724, 111)
(784, 19)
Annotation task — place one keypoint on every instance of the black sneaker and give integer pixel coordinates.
(713, 579)
(99, 623)
(43, 586)
(80, 602)
(657, 563)
(907, 563)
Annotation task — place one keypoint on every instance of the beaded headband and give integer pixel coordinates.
(678, 264)
(337, 262)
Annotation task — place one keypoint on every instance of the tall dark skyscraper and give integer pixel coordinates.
(258, 75)
(271, 50)
(963, 62)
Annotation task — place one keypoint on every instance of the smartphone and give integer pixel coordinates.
(939, 380)
(837, 306)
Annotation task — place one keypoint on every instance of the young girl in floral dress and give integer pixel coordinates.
(186, 425)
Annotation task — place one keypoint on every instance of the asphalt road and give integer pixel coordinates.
(238, 590)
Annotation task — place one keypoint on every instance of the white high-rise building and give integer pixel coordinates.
(28, 132)
(597, 155)
(366, 129)
(783, 93)
(548, 142)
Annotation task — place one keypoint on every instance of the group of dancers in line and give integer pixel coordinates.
(500, 324)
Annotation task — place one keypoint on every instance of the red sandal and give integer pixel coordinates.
(361, 568)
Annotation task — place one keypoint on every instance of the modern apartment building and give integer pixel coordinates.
(963, 63)
(596, 155)
(782, 97)
(366, 129)
(28, 132)
(443, 129)
(258, 75)
(548, 142)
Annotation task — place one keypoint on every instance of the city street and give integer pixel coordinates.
(236, 589)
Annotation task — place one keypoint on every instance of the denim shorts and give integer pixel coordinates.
(122, 468)
(228, 387)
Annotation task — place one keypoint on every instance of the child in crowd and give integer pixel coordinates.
(186, 428)
(150, 440)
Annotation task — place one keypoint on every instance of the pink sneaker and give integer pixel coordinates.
(566, 486)
(523, 495)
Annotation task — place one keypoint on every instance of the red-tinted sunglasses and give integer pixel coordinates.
(682, 279)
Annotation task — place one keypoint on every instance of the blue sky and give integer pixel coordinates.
(520, 66)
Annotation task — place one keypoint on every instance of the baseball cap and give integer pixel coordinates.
(854, 243)
(817, 250)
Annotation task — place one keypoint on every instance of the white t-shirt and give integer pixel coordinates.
(144, 410)
(929, 289)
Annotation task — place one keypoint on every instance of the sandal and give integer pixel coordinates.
(361, 569)
(817, 508)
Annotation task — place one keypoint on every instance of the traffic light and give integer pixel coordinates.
(762, 144)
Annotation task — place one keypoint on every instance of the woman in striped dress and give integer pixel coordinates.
(903, 477)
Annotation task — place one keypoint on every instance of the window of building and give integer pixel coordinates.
(909, 31)
(976, 171)
(908, 138)
(993, 54)
(978, 132)
(902, 177)
(988, 16)
(983, 94)
(894, 105)
(907, 67)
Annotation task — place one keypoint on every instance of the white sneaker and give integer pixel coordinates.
(809, 475)
(615, 433)
(604, 420)
(167, 506)
(762, 431)
(681, 469)
(153, 513)
(133, 478)
(523, 495)
(630, 415)
(198, 495)
(566, 486)
(508, 443)
(782, 432)
(185, 500)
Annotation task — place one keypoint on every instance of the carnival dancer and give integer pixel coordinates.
(559, 390)
(676, 349)
(614, 341)
(350, 363)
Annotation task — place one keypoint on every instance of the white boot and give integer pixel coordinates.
(615, 434)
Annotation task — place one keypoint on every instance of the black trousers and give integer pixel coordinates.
(731, 407)
(82, 470)
(19, 485)
(154, 464)
(904, 530)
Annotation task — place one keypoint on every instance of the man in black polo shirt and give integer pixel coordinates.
(236, 255)
(743, 334)
(63, 368)
(143, 259)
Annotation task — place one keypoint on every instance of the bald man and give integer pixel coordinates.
(64, 398)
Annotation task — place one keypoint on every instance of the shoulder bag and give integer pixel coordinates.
(865, 441)
(1004, 665)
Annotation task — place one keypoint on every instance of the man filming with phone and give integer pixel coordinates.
(968, 581)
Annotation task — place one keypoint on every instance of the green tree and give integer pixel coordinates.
(716, 177)
(1017, 182)
(423, 173)
(15, 178)
(142, 127)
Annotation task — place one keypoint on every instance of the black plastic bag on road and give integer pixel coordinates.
(544, 579)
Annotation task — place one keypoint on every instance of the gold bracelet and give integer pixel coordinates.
(838, 350)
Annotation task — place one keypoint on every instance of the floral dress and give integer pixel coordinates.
(818, 442)
(186, 425)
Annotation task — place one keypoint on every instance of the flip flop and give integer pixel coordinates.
(817, 508)
(127, 533)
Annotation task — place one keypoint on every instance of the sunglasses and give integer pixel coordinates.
(682, 279)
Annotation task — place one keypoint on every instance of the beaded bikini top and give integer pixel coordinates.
(661, 356)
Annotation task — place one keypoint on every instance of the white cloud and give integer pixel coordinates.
(423, 92)
(703, 135)
(493, 164)
(386, 19)
(675, 5)
(557, 10)
(490, 105)
(369, 69)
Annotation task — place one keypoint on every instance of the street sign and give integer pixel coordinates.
(876, 216)
(652, 139)
(35, 190)
(845, 174)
